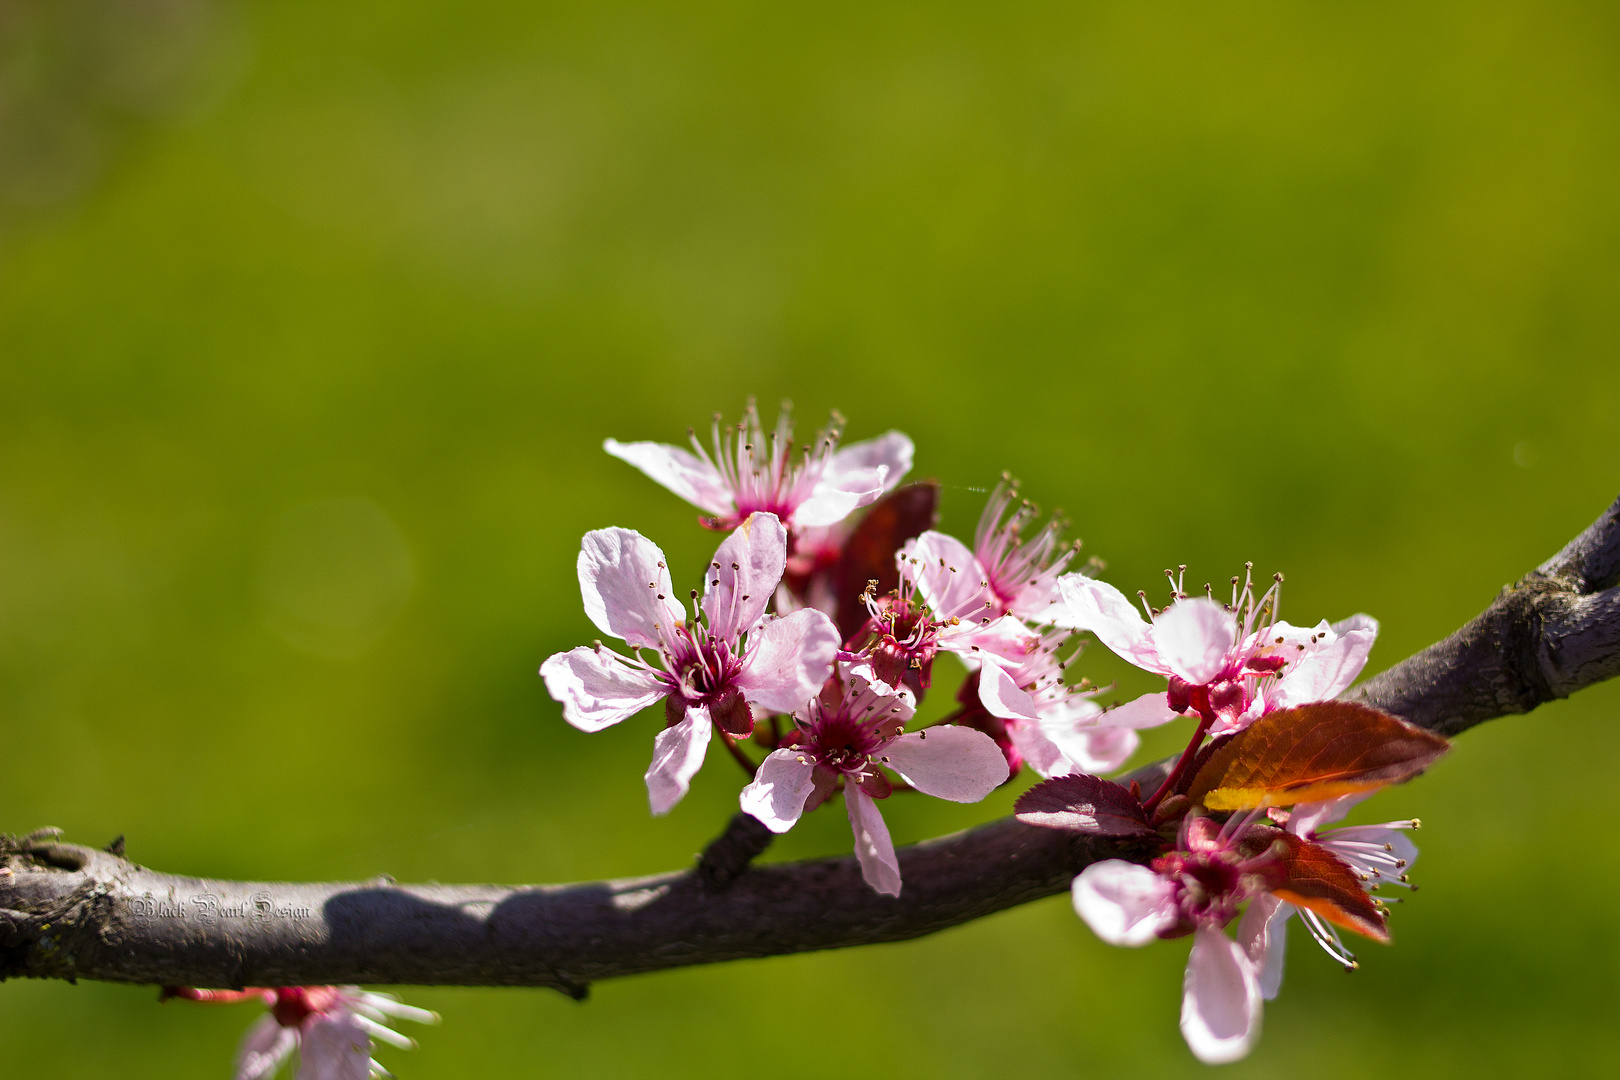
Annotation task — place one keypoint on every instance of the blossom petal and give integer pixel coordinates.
(681, 471)
(1097, 606)
(1324, 673)
(626, 587)
(1123, 903)
(780, 787)
(1306, 818)
(1194, 637)
(949, 578)
(1039, 751)
(788, 659)
(855, 476)
(743, 576)
(948, 762)
(1358, 621)
(677, 755)
(1149, 710)
(598, 687)
(1001, 697)
(1220, 1003)
(1004, 638)
(1399, 845)
(892, 452)
(1263, 933)
(873, 848)
(334, 1047)
(1098, 750)
(265, 1046)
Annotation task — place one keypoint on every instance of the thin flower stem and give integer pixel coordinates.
(736, 752)
(1169, 784)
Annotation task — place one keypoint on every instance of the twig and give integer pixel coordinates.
(68, 911)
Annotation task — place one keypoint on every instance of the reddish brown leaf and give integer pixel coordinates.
(1314, 752)
(1314, 878)
(868, 554)
(1083, 804)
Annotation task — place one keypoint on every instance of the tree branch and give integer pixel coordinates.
(68, 911)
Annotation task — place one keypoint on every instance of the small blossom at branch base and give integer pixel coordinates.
(845, 736)
(752, 471)
(709, 670)
(331, 1029)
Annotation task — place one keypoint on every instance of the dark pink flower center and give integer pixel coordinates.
(702, 668)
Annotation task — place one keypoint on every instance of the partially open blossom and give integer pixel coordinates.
(1038, 717)
(1228, 663)
(904, 633)
(708, 671)
(330, 1027)
(1379, 855)
(847, 734)
(752, 471)
(1006, 572)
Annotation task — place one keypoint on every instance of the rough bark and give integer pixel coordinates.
(68, 911)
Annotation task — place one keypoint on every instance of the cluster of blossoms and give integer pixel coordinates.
(813, 639)
(330, 1028)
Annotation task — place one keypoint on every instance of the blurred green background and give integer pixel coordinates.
(313, 317)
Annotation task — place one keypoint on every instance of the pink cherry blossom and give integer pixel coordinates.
(330, 1027)
(1230, 664)
(754, 471)
(1021, 571)
(708, 671)
(1378, 854)
(1196, 889)
(1020, 687)
(1199, 887)
(845, 734)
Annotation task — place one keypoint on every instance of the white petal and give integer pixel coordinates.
(334, 1047)
(1039, 751)
(1324, 673)
(949, 578)
(1194, 637)
(626, 587)
(1306, 818)
(873, 848)
(1149, 710)
(1220, 1002)
(681, 471)
(828, 506)
(892, 452)
(1001, 697)
(677, 755)
(1100, 750)
(1400, 845)
(1358, 621)
(856, 476)
(1097, 606)
(743, 575)
(948, 762)
(265, 1046)
(1263, 933)
(788, 660)
(782, 784)
(1123, 903)
(598, 687)
(1005, 638)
